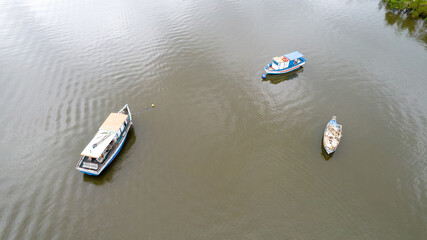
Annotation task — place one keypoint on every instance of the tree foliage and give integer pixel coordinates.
(417, 8)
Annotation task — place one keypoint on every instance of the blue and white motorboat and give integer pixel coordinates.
(106, 144)
(286, 63)
(332, 135)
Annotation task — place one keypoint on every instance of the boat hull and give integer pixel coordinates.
(282, 71)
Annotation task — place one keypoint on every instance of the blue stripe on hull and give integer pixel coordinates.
(329, 152)
(92, 174)
(120, 148)
(281, 72)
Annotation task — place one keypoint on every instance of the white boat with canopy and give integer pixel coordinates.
(286, 63)
(106, 143)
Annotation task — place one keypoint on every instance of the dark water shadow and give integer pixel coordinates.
(403, 22)
(108, 173)
(324, 153)
(276, 79)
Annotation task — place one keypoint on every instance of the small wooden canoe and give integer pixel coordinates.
(332, 135)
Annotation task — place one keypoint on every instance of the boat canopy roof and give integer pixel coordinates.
(293, 55)
(98, 144)
(113, 122)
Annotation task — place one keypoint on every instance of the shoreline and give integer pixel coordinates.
(414, 8)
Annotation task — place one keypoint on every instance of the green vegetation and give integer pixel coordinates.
(417, 8)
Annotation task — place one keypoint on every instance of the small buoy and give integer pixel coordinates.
(263, 76)
(152, 105)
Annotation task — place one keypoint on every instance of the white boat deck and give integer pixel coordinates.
(100, 141)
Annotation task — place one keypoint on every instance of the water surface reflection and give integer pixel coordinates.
(227, 156)
(402, 22)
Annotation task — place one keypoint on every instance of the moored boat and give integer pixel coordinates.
(106, 144)
(332, 135)
(286, 63)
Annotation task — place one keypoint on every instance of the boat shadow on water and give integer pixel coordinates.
(276, 79)
(109, 171)
(324, 153)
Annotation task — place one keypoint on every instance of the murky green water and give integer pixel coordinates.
(223, 155)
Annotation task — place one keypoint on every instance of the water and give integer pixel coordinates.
(224, 154)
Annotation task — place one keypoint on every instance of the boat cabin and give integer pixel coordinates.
(280, 63)
(286, 61)
(107, 137)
